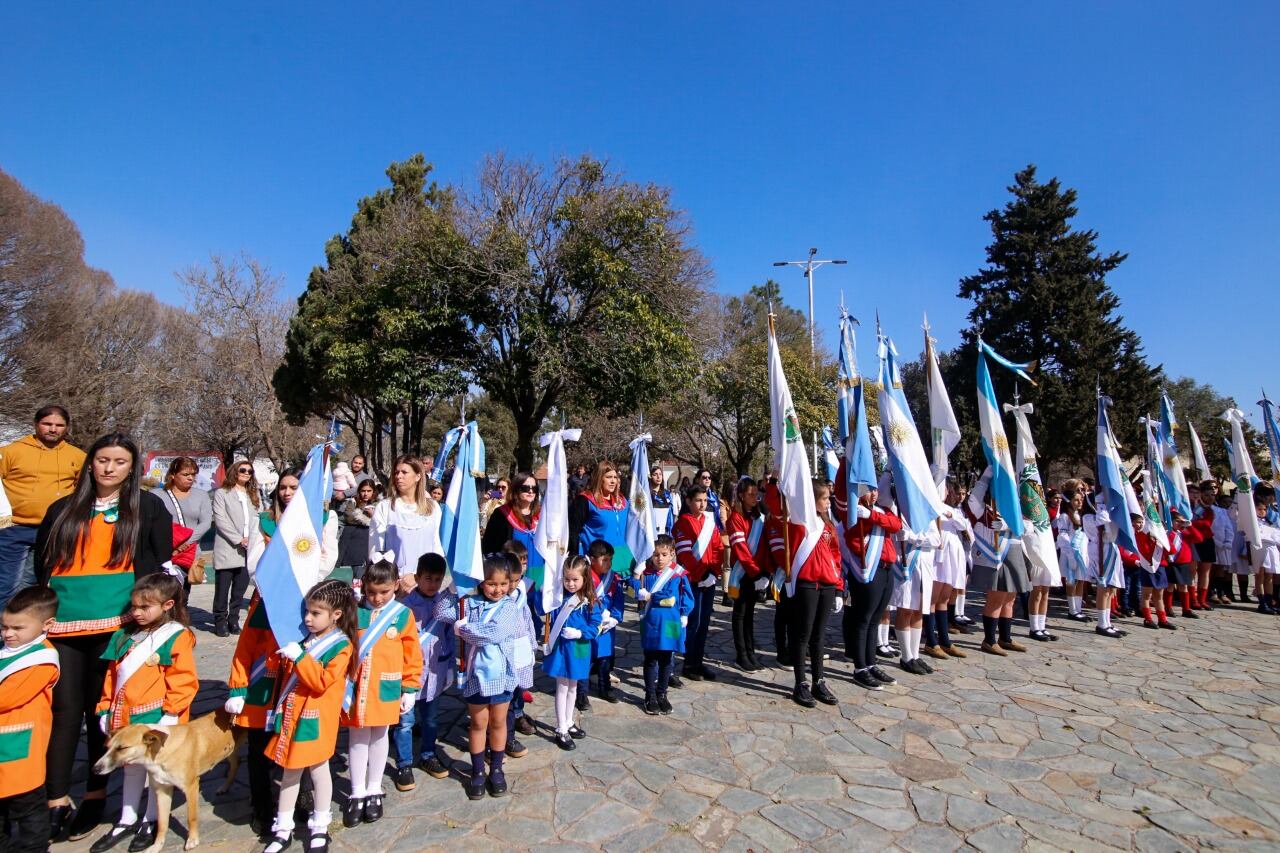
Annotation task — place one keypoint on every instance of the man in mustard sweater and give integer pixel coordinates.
(34, 472)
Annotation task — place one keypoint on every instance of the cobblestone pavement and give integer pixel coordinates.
(1161, 741)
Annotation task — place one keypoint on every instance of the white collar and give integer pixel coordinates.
(7, 652)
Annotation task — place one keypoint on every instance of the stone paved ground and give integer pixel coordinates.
(1161, 741)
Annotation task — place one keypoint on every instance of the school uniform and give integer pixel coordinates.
(27, 676)
(592, 518)
(700, 552)
(999, 563)
(255, 678)
(913, 577)
(816, 579)
(304, 722)
(1202, 518)
(1181, 559)
(1224, 537)
(749, 551)
(488, 640)
(1073, 550)
(1106, 567)
(869, 574)
(1153, 573)
(390, 666)
(151, 676)
(951, 565)
(665, 507)
(1266, 557)
(571, 659)
(612, 598)
(662, 632)
(436, 644)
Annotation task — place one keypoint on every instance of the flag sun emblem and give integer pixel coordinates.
(303, 545)
(1002, 444)
(898, 432)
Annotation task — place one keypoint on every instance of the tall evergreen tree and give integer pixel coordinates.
(1043, 295)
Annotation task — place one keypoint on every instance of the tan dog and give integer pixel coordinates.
(176, 756)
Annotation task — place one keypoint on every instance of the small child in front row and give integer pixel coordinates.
(28, 670)
(518, 559)
(574, 624)
(305, 720)
(439, 670)
(385, 686)
(151, 678)
(613, 601)
(666, 599)
(487, 628)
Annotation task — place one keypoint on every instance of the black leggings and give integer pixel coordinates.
(262, 799)
(862, 616)
(75, 702)
(27, 816)
(657, 672)
(809, 610)
(744, 621)
(782, 625)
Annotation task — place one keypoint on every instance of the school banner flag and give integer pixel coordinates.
(1243, 476)
(995, 443)
(551, 539)
(640, 531)
(914, 488)
(795, 482)
(1115, 494)
(1273, 435)
(1173, 480)
(859, 457)
(460, 521)
(291, 562)
(830, 454)
(1038, 540)
(944, 428)
(1156, 503)
(451, 439)
(1197, 453)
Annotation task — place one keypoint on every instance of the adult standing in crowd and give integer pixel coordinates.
(190, 508)
(91, 547)
(408, 522)
(493, 500)
(600, 512)
(356, 514)
(517, 520)
(578, 480)
(358, 471)
(703, 478)
(666, 504)
(36, 470)
(235, 510)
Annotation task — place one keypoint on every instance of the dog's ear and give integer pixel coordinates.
(154, 741)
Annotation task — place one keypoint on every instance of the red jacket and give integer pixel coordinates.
(1146, 546)
(1180, 542)
(1203, 523)
(856, 536)
(753, 565)
(823, 563)
(686, 532)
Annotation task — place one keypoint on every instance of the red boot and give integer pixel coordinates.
(1186, 605)
(1168, 599)
(1204, 599)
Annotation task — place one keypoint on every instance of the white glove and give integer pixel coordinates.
(762, 583)
(838, 605)
(571, 633)
(406, 702)
(104, 721)
(684, 621)
(293, 651)
(644, 594)
(457, 626)
(168, 720)
(234, 706)
(863, 512)
(709, 580)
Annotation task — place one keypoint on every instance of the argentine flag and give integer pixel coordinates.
(1115, 494)
(640, 531)
(551, 539)
(1173, 482)
(944, 428)
(859, 458)
(914, 488)
(1273, 435)
(290, 565)
(460, 519)
(995, 444)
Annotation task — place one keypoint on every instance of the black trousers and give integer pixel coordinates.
(810, 608)
(867, 602)
(657, 672)
(744, 622)
(782, 625)
(228, 595)
(262, 799)
(75, 701)
(24, 822)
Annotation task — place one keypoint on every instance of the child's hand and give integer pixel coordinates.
(838, 605)
(292, 651)
(234, 706)
(168, 720)
(762, 583)
(643, 594)
(684, 621)
(571, 633)
(104, 721)
(406, 702)
(863, 512)
(457, 626)
(709, 580)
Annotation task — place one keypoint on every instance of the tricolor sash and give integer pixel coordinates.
(137, 656)
(387, 616)
(316, 650)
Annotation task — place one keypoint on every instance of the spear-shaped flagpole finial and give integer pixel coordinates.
(1017, 398)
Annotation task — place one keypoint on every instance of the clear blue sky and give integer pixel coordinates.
(876, 132)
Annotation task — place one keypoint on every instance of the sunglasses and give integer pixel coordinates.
(244, 471)
(530, 489)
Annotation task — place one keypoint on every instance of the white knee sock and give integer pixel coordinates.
(882, 634)
(1075, 604)
(904, 644)
(960, 604)
(915, 634)
(135, 780)
(358, 760)
(1104, 617)
(379, 747)
(322, 789)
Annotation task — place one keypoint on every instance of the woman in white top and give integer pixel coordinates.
(407, 523)
(235, 517)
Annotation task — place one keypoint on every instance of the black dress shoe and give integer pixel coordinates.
(864, 678)
(280, 841)
(352, 812)
(476, 787)
(497, 785)
(823, 693)
(564, 742)
(885, 651)
(220, 631)
(882, 676)
(118, 834)
(319, 843)
(144, 837)
(59, 819)
(1077, 617)
(372, 808)
(1039, 636)
(87, 819)
(675, 682)
(576, 732)
(802, 697)
(1108, 632)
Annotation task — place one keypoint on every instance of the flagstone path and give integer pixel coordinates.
(1161, 741)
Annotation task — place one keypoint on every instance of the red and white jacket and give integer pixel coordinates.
(822, 566)
(697, 535)
(754, 564)
(856, 536)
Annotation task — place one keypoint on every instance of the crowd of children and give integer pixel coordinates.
(376, 661)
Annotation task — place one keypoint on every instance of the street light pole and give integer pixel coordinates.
(809, 265)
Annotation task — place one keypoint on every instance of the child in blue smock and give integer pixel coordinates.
(611, 594)
(666, 600)
(439, 669)
(574, 624)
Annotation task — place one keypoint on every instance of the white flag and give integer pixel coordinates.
(552, 536)
(789, 458)
(944, 429)
(1244, 477)
(1197, 453)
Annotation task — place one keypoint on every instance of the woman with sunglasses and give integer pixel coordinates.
(235, 518)
(517, 521)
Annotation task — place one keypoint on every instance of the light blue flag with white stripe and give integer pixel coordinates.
(640, 531)
(995, 443)
(1273, 435)
(830, 455)
(859, 457)
(290, 565)
(451, 439)
(1173, 480)
(460, 520)
(913, 485)
(1115, 495)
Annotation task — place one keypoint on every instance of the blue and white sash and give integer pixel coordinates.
(1076, 544)
(737, 573)
(387, 616)
(566, 610)
(903, 571)
(663, 576)
(1112, 569)
(991, 552)
(865, 568)
(316, 650)
(704, 535)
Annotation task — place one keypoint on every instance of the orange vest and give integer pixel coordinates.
(392, 668)
(255, 668)
(92, 598)
(306, 729)
(165, 684)
(26, 715)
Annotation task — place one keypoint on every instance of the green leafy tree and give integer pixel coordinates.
(1043, 296)
(1202, 405)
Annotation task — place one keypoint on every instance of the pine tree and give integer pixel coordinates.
(1043, 295)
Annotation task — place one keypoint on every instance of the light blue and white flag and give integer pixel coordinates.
(1115, 495)
(451, 439)
(1273, 435)
(551, 539)
(1173, 481)
(460, 519)
(859, 457)
(641, 530)
(830, 454)
(944, 429)
(290, 565)
(995, 443)
(1243, 476)
(914, 488)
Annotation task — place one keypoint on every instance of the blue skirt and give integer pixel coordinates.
(1155, 580)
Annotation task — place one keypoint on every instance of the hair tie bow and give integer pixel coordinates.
(378, 557)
